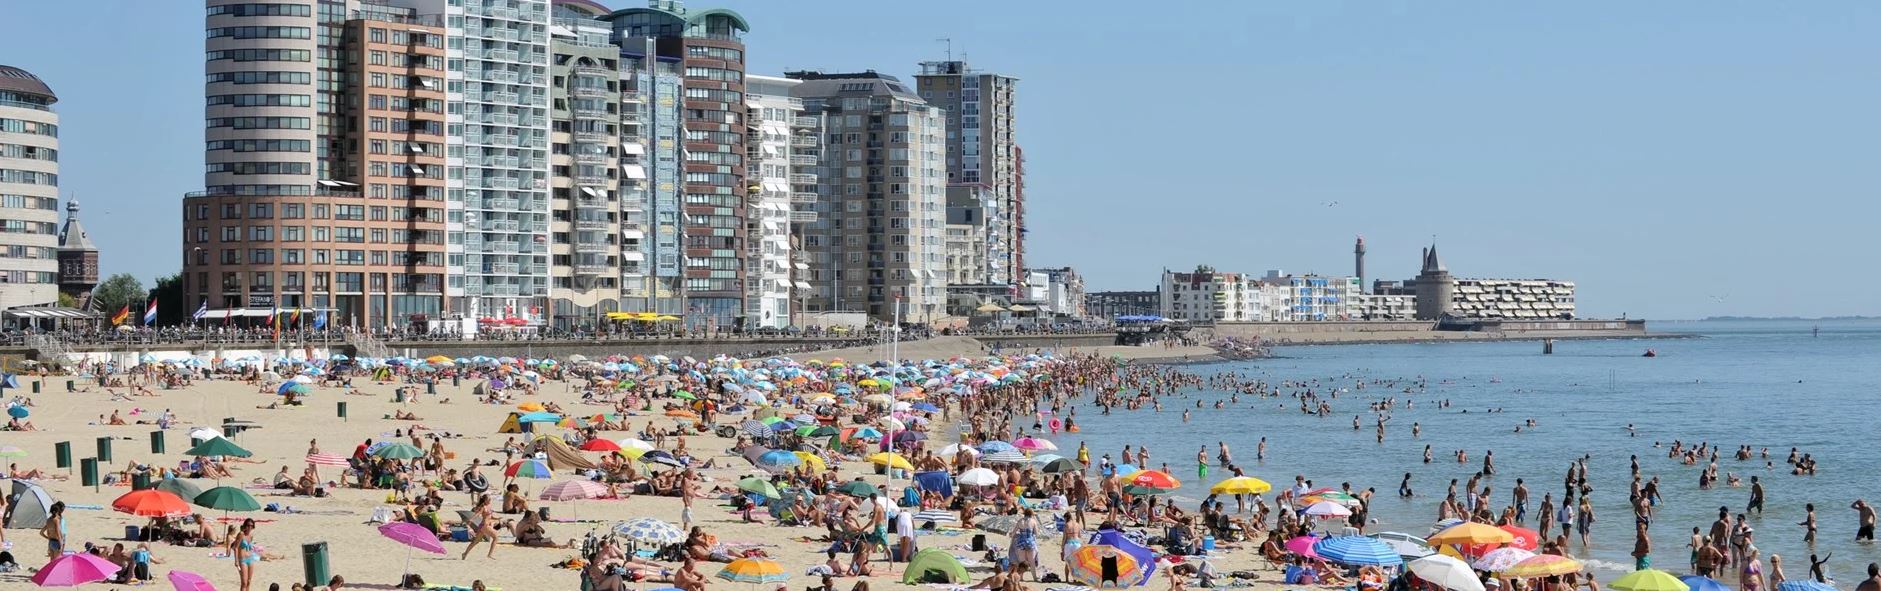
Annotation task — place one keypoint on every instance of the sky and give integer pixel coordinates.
(1675, 159)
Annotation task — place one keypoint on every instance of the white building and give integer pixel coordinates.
(1518, 299)
(1313, 298)
(1388, 307)
(1207, 296)
(29, 182)
(769, 160)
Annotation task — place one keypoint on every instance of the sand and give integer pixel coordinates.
(947, 347)
(356, 549)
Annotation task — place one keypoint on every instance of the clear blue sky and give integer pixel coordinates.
(1659, 153)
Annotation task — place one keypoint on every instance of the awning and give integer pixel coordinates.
(591, 192)
(633, 149)
(415, 170)
(802, 285)
(329, 183)
(633, 171)
(768, 149)
(800, 265)
(770, 224)
(51, 312)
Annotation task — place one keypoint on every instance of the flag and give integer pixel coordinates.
(228, 315)
(122, 315)
(273, 314)
(201, 311)
(150, 313)
(295, 320)
(320, 320)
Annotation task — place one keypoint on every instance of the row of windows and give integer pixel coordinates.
(724, 53)
(260, 145)
(262, 10)
(28, 152)
(262, 100)
(261, 55)
(262, 77)
(320, 256)
(261, 32)
(28, 227)
(712, 178)
(29, 177)
(15, 251)
(399, 103)
(324, 234)
(708, 94)
(400, 37)
(32, 127)
(259, 189)
(719, 74)
(28, 277)
(726, 158)
(28, 202)
(261, 122)
(261, 167)
(291, 281)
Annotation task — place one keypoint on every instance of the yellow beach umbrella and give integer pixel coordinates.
(1241, 485)
(754, 570)
(814, 461)
(1650, 579)
(892, 460)
(1471, 533)
(1543, 565)
(529, 406)
(438, 359)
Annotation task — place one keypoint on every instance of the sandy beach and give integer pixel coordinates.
(358, 552)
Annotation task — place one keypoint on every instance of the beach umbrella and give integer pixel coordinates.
(328, 460)
(1241, 485)
(1446, 572)
(936, 515)
(1150, 482)
(412, 536)
(227, 498)
(18, 412)
(631, 443)
(816, 431)
(72, 570)
(754, 570)
(1543, 565)
(531, 406)
(1526, 539)
(1470, 532)
(978, 477)
(8, 451)
(151, 502)
(996, 446)
(1061, 465)
(1088, 564)
(399, 451)
(1698, 583)
(756, 429)
(778, 460)
(217, 446)
(183, 580)
(1010, 456)
(537, 469)
(1326, 509)
(815, 461)
(856, 488)
(1653, 579)
(1034, 444)
(183, 489)
(1404, 544)
(539, 417)
(598, 444)
(759, 486)
(925, 407)
(1501, 559)
(1356, 550)
(662, 458)
(1791, 585)
(910, 437)
(956, 449)
(1000, 524)
(650, 531)
(892, 460)
(573, 490)
(1302, 546)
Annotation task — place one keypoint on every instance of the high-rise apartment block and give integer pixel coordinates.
(981, 152)
(587, 170)
(781, 175)
(29, 190)
(879, 237)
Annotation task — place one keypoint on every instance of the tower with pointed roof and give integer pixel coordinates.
(78, 257)
(1435, 287)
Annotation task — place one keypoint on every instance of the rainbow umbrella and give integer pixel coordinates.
(754, 570)
(1087, 566)
(529, 469)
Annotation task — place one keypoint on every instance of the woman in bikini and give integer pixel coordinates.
(242, 549)
(486, 528)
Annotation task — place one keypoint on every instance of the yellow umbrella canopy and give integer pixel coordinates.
(1469, 533)
(1543, 565)
(892, 460)
(814, 461)
(1241, 485)
(1650, 579)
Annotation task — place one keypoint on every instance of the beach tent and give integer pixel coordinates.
(513, 424)
(934, 565)
(937, 480)
(30, 505)
(561, 456)
(1142, 554)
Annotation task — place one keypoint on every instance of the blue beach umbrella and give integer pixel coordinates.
(996, 447)
(18, 412)
(1804, 585)
(539, 417)
(1698, 583)
(778, 460)
(1356, 550)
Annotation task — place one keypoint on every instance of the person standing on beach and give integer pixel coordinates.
(1809, 525)
(1521, 501)
(242, 550)
(1642, 548)
(54, 531)
(1756, 497)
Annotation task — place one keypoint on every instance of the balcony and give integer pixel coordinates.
(502, 290)
(591, 247)
(803, 122)
(502, 55)
(502, 13)
(501, 226)
(802, 160)
(591, 181)
(591, 269)
(802, 197)
(591, 158)
(598, 225)
(803, 141)
(501, 98)
(802, 179)
(502, 268)
(800, 217)
(503, 76)
(588, 91)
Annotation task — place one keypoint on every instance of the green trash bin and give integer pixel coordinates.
(140, 481)
(156, 442)
(88, 472)
(37, 384)
(62, 454)
(104, 449)
(342, 415)
(313, 562)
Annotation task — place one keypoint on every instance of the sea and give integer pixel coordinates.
(1776, 384)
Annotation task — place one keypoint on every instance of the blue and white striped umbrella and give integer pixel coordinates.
(1356, 550)
(1008, 456)
(1804, 585)
(650, 531)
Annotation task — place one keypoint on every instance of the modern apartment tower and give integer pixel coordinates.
(777, 171)
(324, 181)
(879, 236)
(714, 210)
(587, 169)
(29, 191)
(982, 151)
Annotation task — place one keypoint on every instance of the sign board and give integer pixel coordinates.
(261, 300)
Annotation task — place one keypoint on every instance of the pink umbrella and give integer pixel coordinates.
(188, 581)
(72, 570)
(1034, 444)
(574, 490)
(411, 535)
(327, 460)
(1303, 546)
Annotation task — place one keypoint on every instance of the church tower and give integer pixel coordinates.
(1435, 287)
(78, 257)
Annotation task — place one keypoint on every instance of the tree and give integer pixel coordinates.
(172, 304)
(67, 301)
(118, 291)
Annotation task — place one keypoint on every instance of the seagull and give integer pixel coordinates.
(1331, 203)
(1720, 299)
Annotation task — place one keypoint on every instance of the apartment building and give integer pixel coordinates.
(982, 151)
(586, 170)
(879, 237)
(1207, 296)
(777, 168)
(29, 190)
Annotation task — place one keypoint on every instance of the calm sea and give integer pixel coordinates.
(1761, 383)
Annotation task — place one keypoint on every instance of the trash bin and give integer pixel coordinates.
(62, 454)
(313, 562)
(342, 415)
(70, 386)
(140, 481)
(88, 471)
(36, 385)
(104, 449)
(156, 442)
(431, 387)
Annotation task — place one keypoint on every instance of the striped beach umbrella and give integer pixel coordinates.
(573, 490)
(754, 570)
(1356, 550)
(328, 460)
(1099, 564)
(529, 469)
(1150, 482)
(1501, 559)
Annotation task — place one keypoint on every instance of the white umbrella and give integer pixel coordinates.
(1327, 509)
(204, 433)
(631, 443)
(1446, 572)
(1501, 559)
(891, 424)
(977, 477)
(957, 449)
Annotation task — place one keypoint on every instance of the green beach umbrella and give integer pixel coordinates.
(183, 489)
(759, 486)
(857, 488)
(399, 451)
(227, 498)
(816, 431)
(684, 395)
(218, 446)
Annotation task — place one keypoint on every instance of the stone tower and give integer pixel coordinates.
(1435, 287)
(1358, 261)
(78, 257)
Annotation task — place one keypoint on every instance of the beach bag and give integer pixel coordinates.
(979, 543)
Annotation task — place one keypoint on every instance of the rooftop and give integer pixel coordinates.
(18, 80)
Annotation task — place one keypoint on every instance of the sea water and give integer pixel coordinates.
(1767, 384)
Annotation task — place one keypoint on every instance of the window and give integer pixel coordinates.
(261, 32)
(262, 55)
(293, 233)
(343, 234)
(231, 233)
(261, 233)
(261, 256)
(262, 77)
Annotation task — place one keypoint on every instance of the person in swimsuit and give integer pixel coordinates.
(1024, 553)
(486, 528)
(54, 531)
(243, 551)
(1751, 577)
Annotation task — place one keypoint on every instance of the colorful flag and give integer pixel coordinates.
(122, 315)
(295, 320)
(150, 313)
(320, 320)
(273, 314)
(201, 311)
